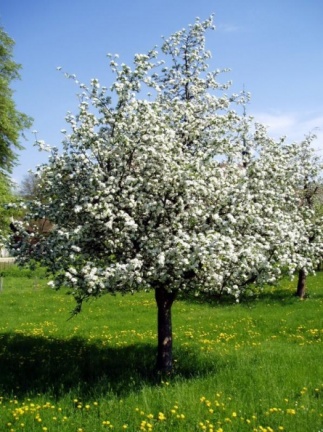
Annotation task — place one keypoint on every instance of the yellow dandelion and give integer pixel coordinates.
(161, 416)
(291, 411)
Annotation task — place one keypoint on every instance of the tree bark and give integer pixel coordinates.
(301, 284)
(164, 300)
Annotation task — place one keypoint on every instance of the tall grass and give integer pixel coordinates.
(254, 366)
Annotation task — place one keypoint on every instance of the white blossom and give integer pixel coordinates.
(179, 189)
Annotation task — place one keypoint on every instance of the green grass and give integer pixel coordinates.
(254, 366)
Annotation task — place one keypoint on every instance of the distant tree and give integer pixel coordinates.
(30, 186)
(162, 185)
(29, 190)
(310, 192)
(12, 122)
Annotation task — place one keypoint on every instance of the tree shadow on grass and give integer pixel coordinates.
(31, 365)
(36, 365)
(276, 295)
(281, 296)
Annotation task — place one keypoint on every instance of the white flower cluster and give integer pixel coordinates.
(176, 190)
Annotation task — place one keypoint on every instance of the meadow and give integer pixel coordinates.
(253, 366)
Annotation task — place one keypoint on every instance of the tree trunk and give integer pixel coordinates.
(164, 300)
(301, 284)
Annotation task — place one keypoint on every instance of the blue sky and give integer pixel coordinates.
(274, 49)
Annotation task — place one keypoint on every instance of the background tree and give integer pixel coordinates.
(30, 190)
(6, 196)
(12, 122)
(153, 189)
(310, 193)
(30, 186)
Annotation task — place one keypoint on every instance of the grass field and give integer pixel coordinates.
(253, 366)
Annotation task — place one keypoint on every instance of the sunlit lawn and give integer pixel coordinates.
(254, 366)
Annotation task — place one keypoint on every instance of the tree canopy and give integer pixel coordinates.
(12, 122)
(5, 197)
(163, 185)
